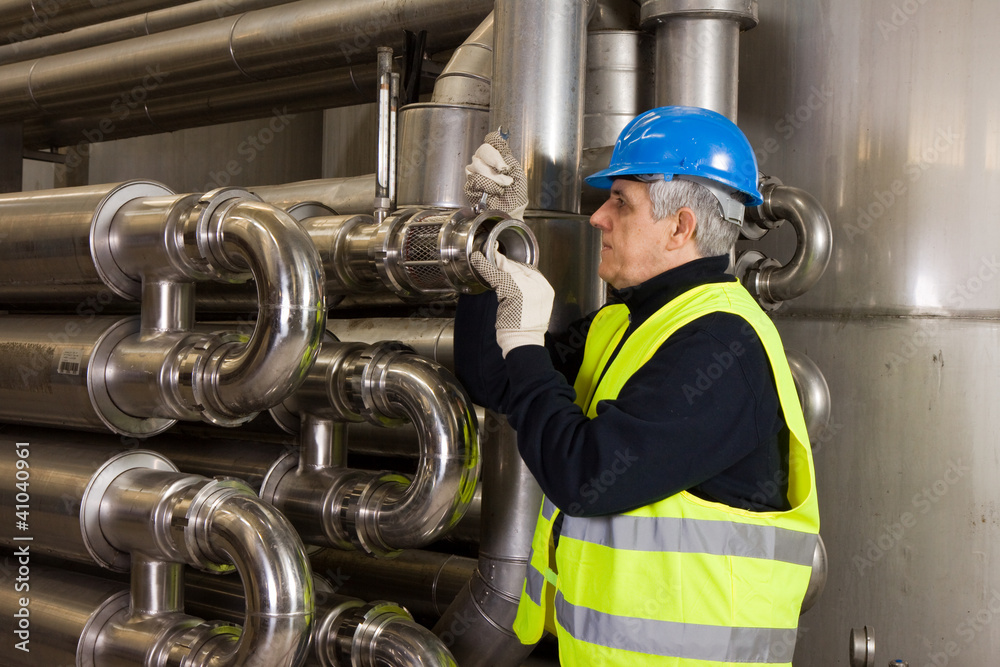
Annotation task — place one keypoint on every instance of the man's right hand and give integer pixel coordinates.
(525, 300)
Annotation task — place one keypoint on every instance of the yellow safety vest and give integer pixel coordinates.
(683, 582)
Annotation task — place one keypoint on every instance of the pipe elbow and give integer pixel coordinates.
(424, 392)
(266, 550)
(247, 377)
(813, 248)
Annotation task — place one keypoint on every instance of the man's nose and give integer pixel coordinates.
(601, 218)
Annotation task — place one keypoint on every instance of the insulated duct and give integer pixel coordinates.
(22, 20)
(300, 37)
(129, 26)
(538, 66)
(698, 50)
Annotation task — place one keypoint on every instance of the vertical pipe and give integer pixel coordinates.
(698, 64)
(697, 50)
(538, 70)
(478, 625)
(157, 585)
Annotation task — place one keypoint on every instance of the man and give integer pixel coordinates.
(680, 517)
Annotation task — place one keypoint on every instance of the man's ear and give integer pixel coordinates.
(683, 230)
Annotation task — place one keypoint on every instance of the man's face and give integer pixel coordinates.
(633, 242)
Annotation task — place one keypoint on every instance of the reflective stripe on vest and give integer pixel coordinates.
(688, 641)
(716, 538)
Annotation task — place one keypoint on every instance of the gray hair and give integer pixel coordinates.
(713, 235)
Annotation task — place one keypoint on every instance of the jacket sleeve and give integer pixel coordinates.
(685, 416)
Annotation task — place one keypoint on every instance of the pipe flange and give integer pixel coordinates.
(97, 387)
(111, 275)
(329, 651)
(286, 463)
(207, 213)
(862, 647)
(654, 12)
(759, 220)
(86, 649)
(362, 510)
(377, 408)
(202, 506)
(752, 268)
(378, 614)
(98, 546)
(212, 410)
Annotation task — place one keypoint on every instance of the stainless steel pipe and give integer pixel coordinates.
(56, 244)
(538, 66)
(467, 77)
(129, 26)
(22, 20)
(380, 513)
(619, 83)
(347, 196)
(414, 252)
(62, 604)
(697, 50)
(814, 393)
(425, 582)
(300, 37)
(477, 626)
(770, 282)
(122, 506)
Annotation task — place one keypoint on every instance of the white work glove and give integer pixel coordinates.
(524, 297)
(494, 171)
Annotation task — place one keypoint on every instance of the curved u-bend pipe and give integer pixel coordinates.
(813, 247)
(259, 374)
(213, 525)
(277, 580)
(814, 393)
(424, 392)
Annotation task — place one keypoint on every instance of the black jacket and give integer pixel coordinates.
(701, 415)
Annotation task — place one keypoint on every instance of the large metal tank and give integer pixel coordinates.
(888, 111)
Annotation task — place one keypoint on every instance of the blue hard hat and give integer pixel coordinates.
(685, 141)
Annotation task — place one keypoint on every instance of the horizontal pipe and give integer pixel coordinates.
(303, 36)
(425, 582)
(22, 20)
(135, 25)
(60, 605)
(347, 196)
(345, 86)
